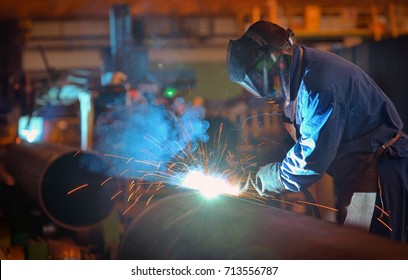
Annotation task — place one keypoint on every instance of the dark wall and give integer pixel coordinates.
(10, 59)
(386, 62)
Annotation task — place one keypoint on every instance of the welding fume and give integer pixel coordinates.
(342, 123)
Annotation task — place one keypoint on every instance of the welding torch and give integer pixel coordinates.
(252, 182)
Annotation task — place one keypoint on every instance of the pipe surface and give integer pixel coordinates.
(48, 173)
(189, 226)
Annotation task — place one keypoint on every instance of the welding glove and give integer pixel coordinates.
(268, 180)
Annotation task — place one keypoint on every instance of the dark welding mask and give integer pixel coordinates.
(262, 68)
(263, 71)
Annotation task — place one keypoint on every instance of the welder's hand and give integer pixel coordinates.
(267, 179)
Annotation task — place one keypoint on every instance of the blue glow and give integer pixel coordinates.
(30, 129)
(85, 102)
(150, 135)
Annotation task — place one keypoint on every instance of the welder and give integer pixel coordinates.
(343, 124)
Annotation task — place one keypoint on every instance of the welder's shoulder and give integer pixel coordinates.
(327, 71)
(323, 65)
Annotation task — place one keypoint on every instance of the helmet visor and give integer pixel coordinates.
(238, 58)
(263, 71)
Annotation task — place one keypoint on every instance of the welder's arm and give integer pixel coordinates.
(323, 121)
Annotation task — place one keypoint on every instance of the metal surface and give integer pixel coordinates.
(47, 173)
(188, 226)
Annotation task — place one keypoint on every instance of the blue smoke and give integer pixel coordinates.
(144, 138)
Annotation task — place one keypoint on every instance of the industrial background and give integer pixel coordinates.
(80, 84)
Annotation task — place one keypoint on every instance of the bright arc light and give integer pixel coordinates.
(30, 135)
(30, 129)
(209, 186)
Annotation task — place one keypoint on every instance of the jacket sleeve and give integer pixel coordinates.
(322, 122)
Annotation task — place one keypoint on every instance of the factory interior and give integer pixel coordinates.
(105, 106)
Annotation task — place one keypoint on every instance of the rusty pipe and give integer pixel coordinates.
(188, 226)
(48, 173)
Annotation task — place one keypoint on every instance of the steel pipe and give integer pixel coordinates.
(188, 226)
(48, 173)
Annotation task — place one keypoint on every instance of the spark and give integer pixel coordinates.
(159, 187)
(130, 196)
(155, 143)
(285, 201)
(176, 163)
(115, 195)
(148, 153)
(137, 189)
(193, 167)
(131, 185)
(148, 163)
(116, 156)
(179, 122)
(149, 188)
(260, 199)
(219, 134)
(77, 188)
(199, 168)
(148, 201)
(104, 182)
(243, 120)
(382, 210)
(124, 172)
(165, 175)
(136, 200)
(318, 205)
(387, 226)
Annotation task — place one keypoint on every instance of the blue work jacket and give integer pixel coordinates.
(337, 110)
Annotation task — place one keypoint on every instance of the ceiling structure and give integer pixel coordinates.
(85, 9)
(59, 25)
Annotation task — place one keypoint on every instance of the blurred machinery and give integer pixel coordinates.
(59, 192)
(126, 53)
(63, 183)
(49, 174)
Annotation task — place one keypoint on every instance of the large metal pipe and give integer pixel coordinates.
(48, 173)
(188, 226)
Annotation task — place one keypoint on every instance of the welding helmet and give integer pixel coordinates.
(258, 62)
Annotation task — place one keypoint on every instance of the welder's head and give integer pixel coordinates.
(260, 61)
